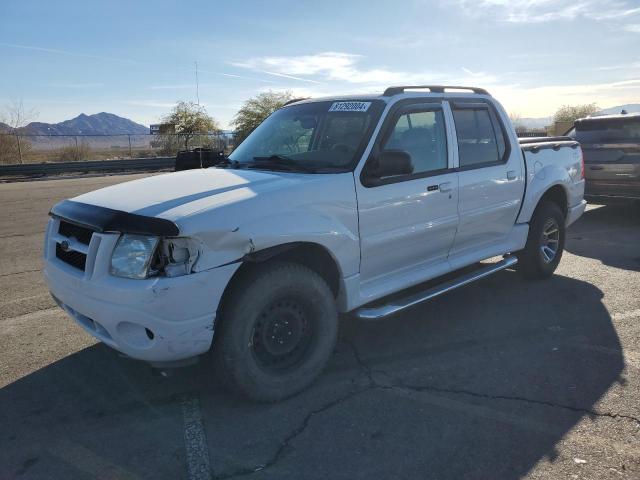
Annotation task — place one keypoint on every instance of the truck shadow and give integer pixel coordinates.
(609, 233)
(481, 383)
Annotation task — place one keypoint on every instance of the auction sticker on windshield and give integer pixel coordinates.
(349, 106)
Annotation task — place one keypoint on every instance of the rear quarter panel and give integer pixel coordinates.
(547, 168)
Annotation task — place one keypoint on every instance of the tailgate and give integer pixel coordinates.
(612, 170)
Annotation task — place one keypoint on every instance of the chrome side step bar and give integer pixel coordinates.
(395, 306)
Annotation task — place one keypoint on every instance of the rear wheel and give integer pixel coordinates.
(545, 242)
(278, 330)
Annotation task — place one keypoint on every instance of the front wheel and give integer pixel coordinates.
(545, 243)
(278, 330)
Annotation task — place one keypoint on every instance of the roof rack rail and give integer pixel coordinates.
(294, 100)
(389, 92)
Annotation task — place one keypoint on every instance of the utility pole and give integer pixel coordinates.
(197, 85)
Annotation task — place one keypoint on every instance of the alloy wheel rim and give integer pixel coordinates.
(550, 240)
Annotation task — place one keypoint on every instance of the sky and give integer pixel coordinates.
(137, 58)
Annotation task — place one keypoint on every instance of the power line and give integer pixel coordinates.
(197, 85)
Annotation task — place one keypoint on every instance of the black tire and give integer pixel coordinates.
(277, 331)
(536, 261)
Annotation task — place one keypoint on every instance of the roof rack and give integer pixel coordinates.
(389, 92)
(294, 100)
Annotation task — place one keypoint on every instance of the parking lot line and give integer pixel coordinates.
(195, 441)
(626, 315)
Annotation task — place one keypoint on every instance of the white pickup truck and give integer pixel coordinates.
(329, 206)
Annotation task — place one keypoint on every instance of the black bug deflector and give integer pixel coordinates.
(102, 219)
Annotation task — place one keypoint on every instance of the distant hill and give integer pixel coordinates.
(535, 123)
(98, 124)
(629, 107)
(541, 122)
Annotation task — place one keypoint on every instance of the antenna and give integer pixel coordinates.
(197, 85)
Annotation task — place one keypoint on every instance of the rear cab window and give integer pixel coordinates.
(481, 141)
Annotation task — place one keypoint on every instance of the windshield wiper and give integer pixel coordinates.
(276, 157)
(279, 162)
(227, 163)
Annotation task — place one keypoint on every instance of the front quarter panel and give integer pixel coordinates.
(320, 209)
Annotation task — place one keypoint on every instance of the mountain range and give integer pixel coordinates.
(98, 124)
(109, 124)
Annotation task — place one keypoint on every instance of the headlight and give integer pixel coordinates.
(132, 256)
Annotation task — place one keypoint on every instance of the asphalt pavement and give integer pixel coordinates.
(502, 379)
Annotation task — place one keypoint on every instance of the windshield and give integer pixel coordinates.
(325, 136)
(625, 130)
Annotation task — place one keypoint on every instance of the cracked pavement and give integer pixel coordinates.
(502, 379)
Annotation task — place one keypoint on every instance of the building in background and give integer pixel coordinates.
(162, 129)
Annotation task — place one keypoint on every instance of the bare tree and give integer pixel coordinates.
(14, 116)
(17, 115)
(516, 120)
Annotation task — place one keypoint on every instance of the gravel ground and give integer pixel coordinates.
(503, 379)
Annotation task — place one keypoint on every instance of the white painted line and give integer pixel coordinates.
(195, 441)
(626, 315)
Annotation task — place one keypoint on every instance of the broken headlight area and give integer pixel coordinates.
(141, 256)
(176, 256)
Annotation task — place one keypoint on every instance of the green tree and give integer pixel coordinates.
(570, 113)
(255, 110)
(191, 120)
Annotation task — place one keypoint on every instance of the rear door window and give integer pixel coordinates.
(480, 140)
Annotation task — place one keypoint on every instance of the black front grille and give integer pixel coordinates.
(82, 234)
(73, 258)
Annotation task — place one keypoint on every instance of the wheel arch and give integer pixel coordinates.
(312, 255)
(558, 195)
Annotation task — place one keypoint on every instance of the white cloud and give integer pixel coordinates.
(345, 68)
(57, 51)
(634, 27)
(536, 11)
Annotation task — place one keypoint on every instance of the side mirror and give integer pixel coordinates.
(394, 162)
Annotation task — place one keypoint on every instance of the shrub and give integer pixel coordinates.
(9, 151)
(71, 153)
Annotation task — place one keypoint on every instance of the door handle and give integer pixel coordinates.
(445, 187)
(511, 175)
(596, 168)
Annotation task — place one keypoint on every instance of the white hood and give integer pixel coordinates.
(176, 195)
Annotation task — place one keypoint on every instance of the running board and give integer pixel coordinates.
(395, 306)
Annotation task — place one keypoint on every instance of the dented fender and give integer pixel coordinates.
(318, 209)
(223, 247)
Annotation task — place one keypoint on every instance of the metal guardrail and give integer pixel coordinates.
(36, 169)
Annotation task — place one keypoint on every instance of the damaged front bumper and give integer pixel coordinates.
(157, 319)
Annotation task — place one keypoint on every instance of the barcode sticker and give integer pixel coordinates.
(349, 106)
